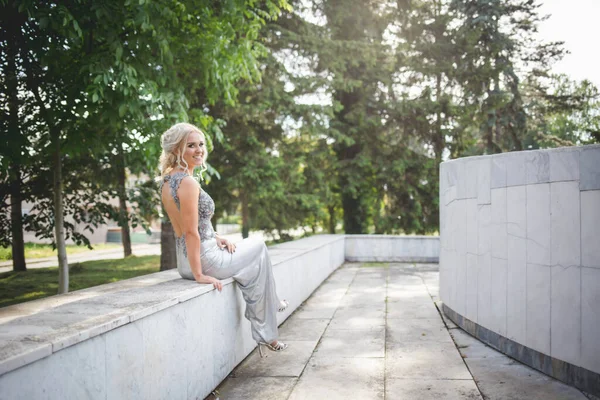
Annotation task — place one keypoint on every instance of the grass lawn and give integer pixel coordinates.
(35, 250)
(18, 287)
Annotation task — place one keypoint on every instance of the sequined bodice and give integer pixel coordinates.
(206, 205)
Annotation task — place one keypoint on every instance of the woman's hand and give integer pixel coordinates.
(225, 244)
(210, 280)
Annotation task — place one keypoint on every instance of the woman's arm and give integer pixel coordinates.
(188, 198)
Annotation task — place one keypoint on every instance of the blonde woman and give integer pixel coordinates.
(204, 256)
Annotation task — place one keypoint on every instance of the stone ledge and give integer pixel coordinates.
(390, 248)
(34, 330)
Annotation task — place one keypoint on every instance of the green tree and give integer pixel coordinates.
(561, 112)
(496, 39)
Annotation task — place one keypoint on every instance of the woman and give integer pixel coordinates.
(202, 254)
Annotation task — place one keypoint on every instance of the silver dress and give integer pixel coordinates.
(250, 265)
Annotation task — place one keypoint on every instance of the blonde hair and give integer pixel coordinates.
(173, 143)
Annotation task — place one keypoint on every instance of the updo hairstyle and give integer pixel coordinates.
(173, 143)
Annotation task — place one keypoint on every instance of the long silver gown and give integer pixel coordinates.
(250, 265)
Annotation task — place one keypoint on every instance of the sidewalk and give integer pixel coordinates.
(139, 249)
(373, 331)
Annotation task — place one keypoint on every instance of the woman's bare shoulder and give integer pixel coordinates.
(188, 186)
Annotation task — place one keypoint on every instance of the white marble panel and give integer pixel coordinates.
(461, 226)
(538, 224)
(471, 289)
(82, 370)
(461, 178)
(198, 359)
(516, 211)
(590, 228)
(452, 220)
(450, 278)
(498, 228)
(498, 296)
(163, 352)
(538, 307)
(538, 167)
(461, 284)
(471, 226)
(589, 168)
(516, 289)
(498, 172)
(484, 168)
(444, 276)
(484, 221)
(471, 179)
(516, 171)
(125, 362)
(484, 289)
(449, 192)
(590, 318)
(448, 195)
(564, 165)
(566, 314)
(565, 223)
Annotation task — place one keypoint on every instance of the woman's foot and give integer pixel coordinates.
(283, 304)
(273, 346)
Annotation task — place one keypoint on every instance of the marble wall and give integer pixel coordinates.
(520, 248)
(392, 248)
(153, 337)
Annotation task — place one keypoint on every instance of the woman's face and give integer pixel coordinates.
(195, 150)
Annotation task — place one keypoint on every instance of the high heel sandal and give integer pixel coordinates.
(283, 305)
(280, 346)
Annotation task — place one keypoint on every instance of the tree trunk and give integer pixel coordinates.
(353, 217)
(168, 252)
(332, 221)
(123, 213)
(16, 214)
(16, 222)
(245, 216)
(59, 228)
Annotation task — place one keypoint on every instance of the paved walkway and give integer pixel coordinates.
(373, 331)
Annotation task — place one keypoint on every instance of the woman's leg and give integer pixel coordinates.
(251, 267)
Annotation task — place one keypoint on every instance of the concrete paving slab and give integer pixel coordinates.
(287, 363)
(406, 311)
(295, 328)
(359, 317)
(315, 312)
(341, 378)
(264, 388)
(428, 389)
(353, 299)
(404, 278)
(376, 291)
(323, 301)
(470, 347)
(501, 377)
(352, 343)
(417, 330)
(529, 389)
(425, 360)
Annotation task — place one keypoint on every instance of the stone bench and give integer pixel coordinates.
(154, 336)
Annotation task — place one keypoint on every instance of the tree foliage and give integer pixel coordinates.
(316, 111)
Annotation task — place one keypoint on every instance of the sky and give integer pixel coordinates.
(577, 23)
